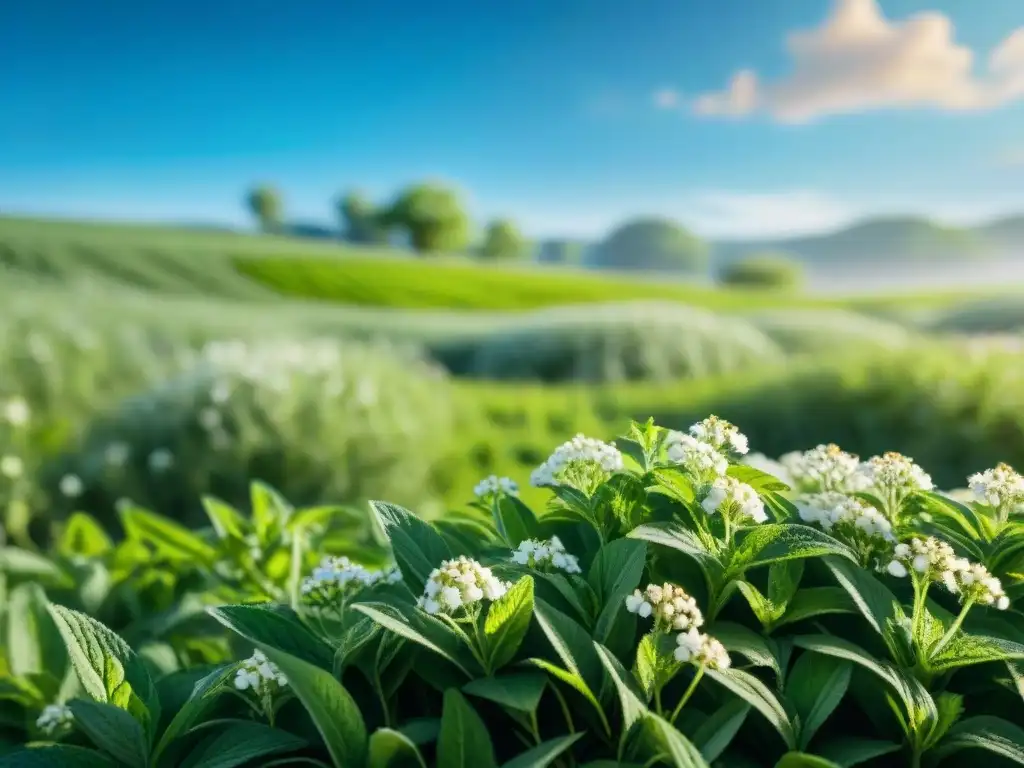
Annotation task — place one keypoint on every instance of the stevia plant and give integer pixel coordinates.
(670, 607)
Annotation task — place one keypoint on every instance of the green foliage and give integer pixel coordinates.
(788, 653)
(651, 244)
(361, 221)
(502, 240)
(560, 252)
(764, 270)
(264, 202)
(433, 216)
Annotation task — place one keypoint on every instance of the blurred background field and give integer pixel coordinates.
(162, 364)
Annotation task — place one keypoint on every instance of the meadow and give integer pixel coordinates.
(151, 377)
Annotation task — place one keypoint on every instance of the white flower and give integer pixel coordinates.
(974, 582)
(72, 486)
(459, 583)
(932, 559)
(739, 501)
(259, 675)
(824, 468)
(546, 555)
(700, 459)
(671, 607)
(11, 467)
(493, 485)
(894, 473)
(720, 435)
(54, 717)
(160, 460)
(16, 412)
(852, 521)
(1001, 488)
(338, 578)
(897, 569)
(702, 650)
(582, 460)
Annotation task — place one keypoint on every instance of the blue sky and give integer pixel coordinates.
(568, 115)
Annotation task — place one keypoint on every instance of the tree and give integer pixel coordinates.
(432, 215)
(265, 203)
(764, 270)
(560, 252)
(361, 221)
(502, 240)
(652, 244)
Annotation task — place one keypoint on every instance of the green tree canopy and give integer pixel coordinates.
(652, 244)
(361, 220)
(767, 269)
(503, 240)
(265, 204)
(433, 216)
(560, 252)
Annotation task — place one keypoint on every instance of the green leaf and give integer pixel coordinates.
(58, 756)
(463, 741)
(237, 742)
(392, 749)
(507, 622)
(83, 537)
(779, 542)
(22, 564)
(270, 511)
(333, 711)
(225, 519)
(757, 694)
(662, 738)
(515, 521)
(108, 669)
(544, 754)
(746, 642)
(784, 581)
(202, 697)
(716, 733)
(417, 547)
(519, 690)
(673, 482)
(804, 760)
(647, 664)
(276, 626)
(966, 650)
(875, 602)
(33, 644)
(170, 538)
(633, 706)
(993, 734)
(571, 644)
(817, 601)
(112, 730)
(676, 536)
(848, 752)
(815, 686)
(614, 574)
(756, 479)
(421, 629)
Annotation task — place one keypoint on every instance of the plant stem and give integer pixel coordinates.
(921, 593)
(657, 699)
(944, 640)
(565, 709)
(688, 694)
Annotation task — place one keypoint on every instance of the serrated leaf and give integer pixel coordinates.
(463, 741)
(108, 669)
(417, 547)
(544, 754)
(333, 711)
(966, 650)
(676, 536)
(778, 542)
(507, 622)
(112, 730)
(715, 734)
(992, 734)
(393, 749)
(815, 686)
(276, 626)
(238, 742)
(757, 694)
(517, 690)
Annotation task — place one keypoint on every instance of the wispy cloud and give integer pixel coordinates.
(858, 60)
(667, 98)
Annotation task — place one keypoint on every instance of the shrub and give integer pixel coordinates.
(651, 244)
(827, 333)
(671, 607)
(612, 343)
(767, 270)
(316, 418)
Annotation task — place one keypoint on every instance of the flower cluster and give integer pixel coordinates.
(582, 461)
(671, 607)
(720, 435)
(1002, 488)
(895, 474)
(259, 675)
(337, 578)
(825, 468)
(935, 560)
(16, 412)
(702, 650)
(458, 584)
(54, 717)
(734, 500)
(852, 521)
(546, 556)
(492, 485)
(700, 459)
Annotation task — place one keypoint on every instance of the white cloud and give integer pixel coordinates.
(667, 98)
(858, 61)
